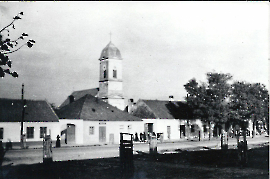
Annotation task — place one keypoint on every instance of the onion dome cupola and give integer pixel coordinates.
(110, 52)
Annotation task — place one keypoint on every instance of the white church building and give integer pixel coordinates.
(98, 115)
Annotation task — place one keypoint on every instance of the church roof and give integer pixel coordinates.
(78, 94)
(90, 108)
(110, 52)
(149, 109)
(35, 111)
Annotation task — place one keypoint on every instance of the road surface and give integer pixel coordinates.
(31, 156)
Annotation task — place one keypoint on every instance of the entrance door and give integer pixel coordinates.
(182, 131)
(102, 133)
(70, 133)
(150, 128)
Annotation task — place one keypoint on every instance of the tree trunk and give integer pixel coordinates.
(224, 139)
(254, 129)
(209, 123)
(188, 129)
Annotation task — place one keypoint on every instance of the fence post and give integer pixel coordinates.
(47, 149)
(153, 145)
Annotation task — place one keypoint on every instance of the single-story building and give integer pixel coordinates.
(172, 118)
(90, 120)
(38, 118)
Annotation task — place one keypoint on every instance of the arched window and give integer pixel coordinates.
(105, 73)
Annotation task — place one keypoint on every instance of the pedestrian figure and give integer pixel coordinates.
(141, 137)
(144, 137)
(136, 137)
(2, 153)
(58, 143)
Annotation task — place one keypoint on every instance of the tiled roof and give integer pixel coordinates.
(94, 109)
(166, 109)
(79, 94)
(36, 111)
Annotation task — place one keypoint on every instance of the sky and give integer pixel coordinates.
(163, 45)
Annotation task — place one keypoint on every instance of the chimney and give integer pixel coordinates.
(71, 99)
(97, 95)
(171, 98)
(130, 105)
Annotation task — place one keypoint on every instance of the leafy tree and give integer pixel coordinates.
(208, 99)
(8, 46)
(249, 102)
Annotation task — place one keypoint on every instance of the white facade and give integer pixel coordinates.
(95, 132)
(12, 130)
(169, 127)
(78, 123)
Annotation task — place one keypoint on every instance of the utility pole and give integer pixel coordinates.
(188, 122)
(23, 111)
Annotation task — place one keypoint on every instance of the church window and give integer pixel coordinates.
(91, 130)
(115, 73)
(105, 73)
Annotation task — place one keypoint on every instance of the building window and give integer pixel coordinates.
(129, 126)
(91, 130)
(204, 128)
(169, 132)
(121, 127)
(105, 73)
(30, 132)
(115, 73)
(43, 132)
(1, 133)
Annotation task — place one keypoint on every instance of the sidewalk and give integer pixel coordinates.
(214, 143)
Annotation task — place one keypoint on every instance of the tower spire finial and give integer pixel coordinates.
(110, 36)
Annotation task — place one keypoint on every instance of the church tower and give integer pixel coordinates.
(110, 77)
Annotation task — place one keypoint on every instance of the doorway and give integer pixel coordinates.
(70, 133)
(150, 128)
(102, 133)
(182, 131)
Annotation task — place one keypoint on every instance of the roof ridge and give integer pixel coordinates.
(81, 109)
(52, 109)
(156, 116)
(85, 89)
(69, 104)
(24, 99)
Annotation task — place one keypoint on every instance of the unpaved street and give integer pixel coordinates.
(31, 156)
